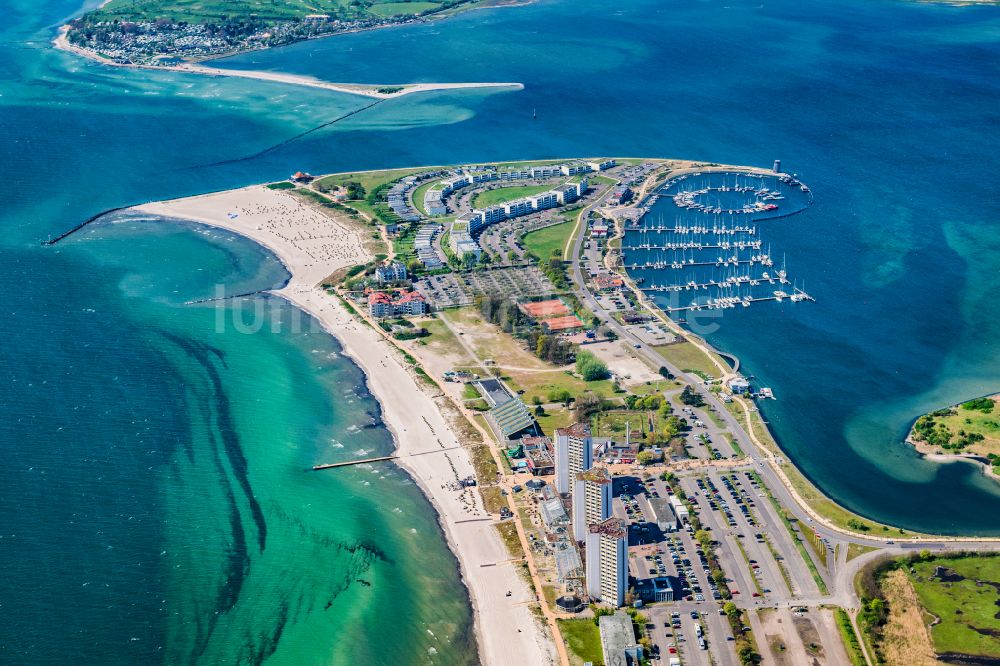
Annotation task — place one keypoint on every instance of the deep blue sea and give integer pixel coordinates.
(154, 506)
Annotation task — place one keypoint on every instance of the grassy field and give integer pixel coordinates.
(612, 423)
(548, 241)
(368, 179)
(966, 603)
(505, 194)
(687, 357)
(418, 195)
(583, 639)
(401, 8)
(962, 420)
(203, 11)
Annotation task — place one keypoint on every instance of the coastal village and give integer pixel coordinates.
(621, 462)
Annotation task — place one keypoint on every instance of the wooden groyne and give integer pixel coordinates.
(66, 234)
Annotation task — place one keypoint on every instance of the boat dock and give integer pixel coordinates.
(696, 245)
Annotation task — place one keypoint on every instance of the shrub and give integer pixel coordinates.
(590, 367)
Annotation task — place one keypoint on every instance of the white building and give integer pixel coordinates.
(390, 272)
(591, 500)
(544, 200)
(603, 165)
(607, 561)
(574, 454)
(679, 509)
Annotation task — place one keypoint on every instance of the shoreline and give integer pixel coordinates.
(505, 627)
(362, 89)
(776, 461)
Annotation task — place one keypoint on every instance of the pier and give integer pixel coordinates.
(361, 461)
(696, 245)
(348, 463)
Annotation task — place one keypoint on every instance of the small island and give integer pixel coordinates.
(970, 430)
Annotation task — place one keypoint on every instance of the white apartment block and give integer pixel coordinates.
(591, 500)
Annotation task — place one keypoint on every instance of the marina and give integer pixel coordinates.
(698, 235)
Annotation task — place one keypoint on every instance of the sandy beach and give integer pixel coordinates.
(363, 89)
(312, 245)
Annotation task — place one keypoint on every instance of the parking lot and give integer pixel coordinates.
(690, 627)
(460, 289)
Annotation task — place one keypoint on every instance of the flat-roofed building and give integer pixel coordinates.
(663, 514)
(618, 640)
(591, 500)
(538, 453)
(574, 454)
(607, 561)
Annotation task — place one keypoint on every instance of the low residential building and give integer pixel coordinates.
(538, 452)
(574, 454)
(683, 516)
(390, 272)
(608, 282)
(607, 561)
(591, 500)
(620, 195)
(602, 165)
(302, 177)
(618, 640)
(381, 304)
(739, 385)
(663, 514)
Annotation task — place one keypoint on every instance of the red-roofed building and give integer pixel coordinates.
(380, 304)
(302, 177)
(608, 282)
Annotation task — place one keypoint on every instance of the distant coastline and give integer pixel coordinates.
(374, 90)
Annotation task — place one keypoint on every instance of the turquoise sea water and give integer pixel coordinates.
(154, 503)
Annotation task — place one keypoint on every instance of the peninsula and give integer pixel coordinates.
(155, 32)
(520, 324)
(968, 431)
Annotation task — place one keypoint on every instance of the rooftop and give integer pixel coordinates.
(580, 429)
(617, 636)
(597, 474)
(563, 323)
(612, 527)
(494, 391)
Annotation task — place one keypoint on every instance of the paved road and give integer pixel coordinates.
(839, 574)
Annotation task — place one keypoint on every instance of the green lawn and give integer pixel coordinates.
(418, 195)
(687, 357)
(505, 194)
(368, 179)
(967, 608)
(545, 242)
(583, 639)
(961, 421)
(400, 8)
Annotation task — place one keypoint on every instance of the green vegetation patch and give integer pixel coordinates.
(389, 9)
(847, 634)
(689, 358)
(964, 593)
(583, 638)
(973, 426)
(504, 194)
(548, 241)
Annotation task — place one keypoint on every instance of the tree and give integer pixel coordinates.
(590, 367)
(691, 398)
(664, 372)
(645, 458)
(730, 609)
